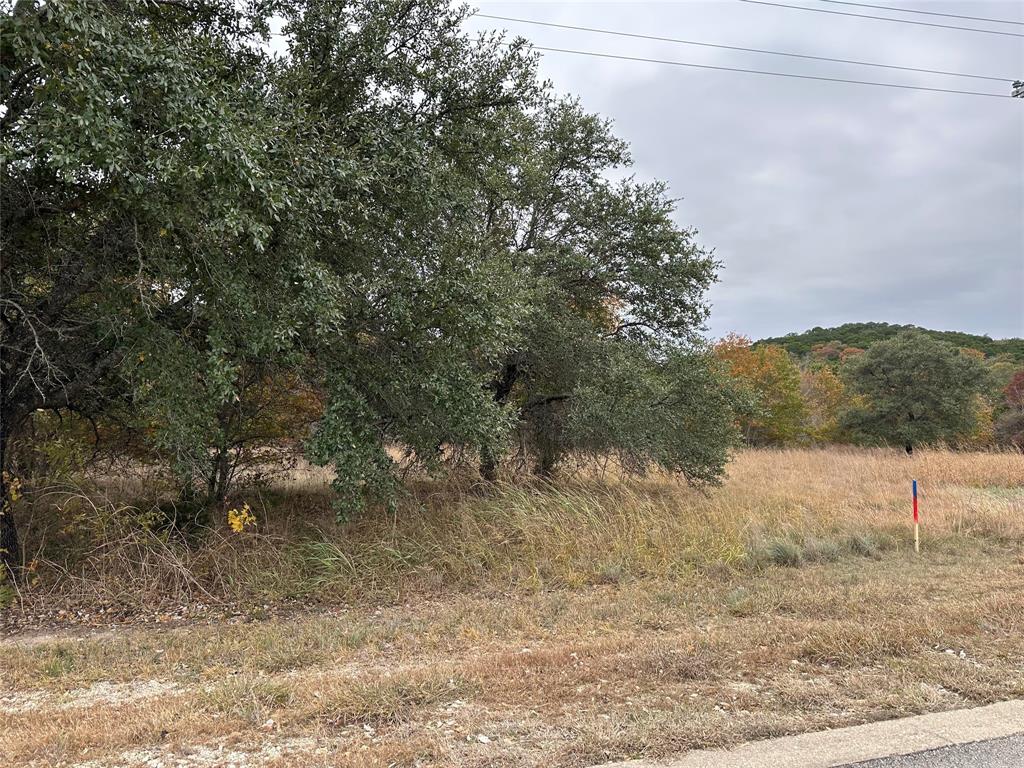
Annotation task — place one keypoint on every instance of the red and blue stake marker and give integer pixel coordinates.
(917, 537)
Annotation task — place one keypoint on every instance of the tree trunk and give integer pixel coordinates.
(545, 466)
(502, 389)
(217, 484)
(223, 474)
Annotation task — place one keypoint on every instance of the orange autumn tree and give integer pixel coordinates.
(770, 378)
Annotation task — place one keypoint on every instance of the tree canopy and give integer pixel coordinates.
(770, 379)
(396, 217)
(913, 389)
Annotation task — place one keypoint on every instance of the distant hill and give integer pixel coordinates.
(864, 335)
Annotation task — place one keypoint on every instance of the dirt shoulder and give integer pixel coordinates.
(645, 668)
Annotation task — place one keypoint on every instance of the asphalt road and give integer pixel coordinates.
(1007, 752)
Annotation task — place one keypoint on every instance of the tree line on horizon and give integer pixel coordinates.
(863, 335)
(910, 388)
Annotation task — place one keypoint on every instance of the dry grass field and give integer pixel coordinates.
(567, 625)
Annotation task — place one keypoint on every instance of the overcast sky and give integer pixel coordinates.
(826, 202)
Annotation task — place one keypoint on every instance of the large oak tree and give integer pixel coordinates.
(913, 389)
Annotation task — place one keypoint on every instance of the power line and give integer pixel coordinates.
(740, 48)
(925, 13)
(774, 74)
(886, 18)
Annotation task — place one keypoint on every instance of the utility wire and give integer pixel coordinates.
(740, 48)
(886, 18)
(764, 72)
(925, 13)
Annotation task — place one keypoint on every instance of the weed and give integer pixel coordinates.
(60, 661)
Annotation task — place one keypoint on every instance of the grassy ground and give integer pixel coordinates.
(549, 627)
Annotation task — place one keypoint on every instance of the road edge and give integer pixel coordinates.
(841, 746)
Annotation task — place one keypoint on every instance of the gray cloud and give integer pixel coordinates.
(826, 202)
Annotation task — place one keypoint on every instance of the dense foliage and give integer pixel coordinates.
(770, 381)
(394, 232)
(914, 389)
(863, 335)
(906, 390)
(610, 290)
(1009, 427)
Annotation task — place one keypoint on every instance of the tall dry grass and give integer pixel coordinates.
(781, 507)
(818, 503)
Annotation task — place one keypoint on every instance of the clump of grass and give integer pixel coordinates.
(673, 664)
(611, 573)
(791, 551)
(386, 700)
(739, 602)
(817, 550)
(784, 552)
(850, 643)
(863, 544)
(282, 646)
(249, 698)
(59, 661)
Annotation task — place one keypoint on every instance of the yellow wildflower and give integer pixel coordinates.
(240, 518)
